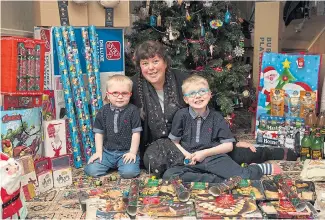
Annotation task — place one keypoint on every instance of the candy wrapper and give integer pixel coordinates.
(227, 185)
(68, 98)
(133, 197)
(284, 184)
(182, 193)
(292, 103)
(308, 102)
(277, 102)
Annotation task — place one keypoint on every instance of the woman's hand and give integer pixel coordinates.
(129, 157)
(95, 156)
(246, 145)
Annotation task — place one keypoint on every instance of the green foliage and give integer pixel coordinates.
(191, 50)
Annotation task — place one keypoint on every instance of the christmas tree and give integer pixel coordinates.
(203, 37)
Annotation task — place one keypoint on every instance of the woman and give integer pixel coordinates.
(158, 94)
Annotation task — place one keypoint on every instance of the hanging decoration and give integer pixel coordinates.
(229, 57)
(178, 51)
(229, 66)
(241, 42)
(215, 24)
(246, 93)
(207, 4)
(153, 21)
(211, 50)
(159, 21)
(239, 51)
(173, 34)
(180, 2)
(169, 3)
(227, 16)
(218, 69)
(202, 29)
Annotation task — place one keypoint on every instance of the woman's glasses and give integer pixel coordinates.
(199, 92)
(117, 94)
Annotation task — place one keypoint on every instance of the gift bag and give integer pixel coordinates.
(21, 132)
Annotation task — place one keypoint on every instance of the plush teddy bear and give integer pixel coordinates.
(12, 202)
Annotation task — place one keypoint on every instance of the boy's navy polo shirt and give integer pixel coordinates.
(117, 125)
(198, 133)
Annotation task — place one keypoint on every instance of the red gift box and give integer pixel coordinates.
(16, 62)
(21, 102)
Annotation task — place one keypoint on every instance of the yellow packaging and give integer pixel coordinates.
(277, 102)
(308, 102)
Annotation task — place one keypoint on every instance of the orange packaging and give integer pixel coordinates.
(308, 102)
(277, 102)
(22, 66)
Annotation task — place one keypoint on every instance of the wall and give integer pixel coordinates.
(17, 18)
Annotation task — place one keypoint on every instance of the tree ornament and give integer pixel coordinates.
(229, 66)
(207, 4)
(164, 39)
(241, 42)
(211, 50)
(218, 69)
(153, 21)
(169, 3)
(202, 29)
(300, 62)
(109, 3)
(229, 57)
(159, 21)
(215, 24)
(180, 2)
(143, 13)
(246, 93)
(188, 16)
(178, 51)
(173, 34)
(239, 51)
(227, 17)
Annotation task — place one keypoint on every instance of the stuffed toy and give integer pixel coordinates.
(12, 203)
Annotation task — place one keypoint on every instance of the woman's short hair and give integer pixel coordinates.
(149, 49)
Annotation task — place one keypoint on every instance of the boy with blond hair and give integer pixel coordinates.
(204, 138)
(117, 130)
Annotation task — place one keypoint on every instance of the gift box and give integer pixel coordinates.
(21, 132)
(48, 105)
(44, 174)
(62, 173)
(54, 138)
(29, 180)
(22, 64)
(21, 102)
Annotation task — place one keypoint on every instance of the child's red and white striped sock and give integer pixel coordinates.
(270, 169)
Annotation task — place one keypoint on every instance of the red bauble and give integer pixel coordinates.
(285, 78)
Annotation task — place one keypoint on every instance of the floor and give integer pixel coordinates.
(64, 204)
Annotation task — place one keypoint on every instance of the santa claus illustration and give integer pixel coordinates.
(11, 193)
(271, 79)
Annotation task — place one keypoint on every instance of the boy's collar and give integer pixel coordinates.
(113, 108)
(195, 115)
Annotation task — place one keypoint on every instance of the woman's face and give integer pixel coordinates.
(154, 70)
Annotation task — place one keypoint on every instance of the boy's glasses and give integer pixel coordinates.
(200, 92)
(117, 94)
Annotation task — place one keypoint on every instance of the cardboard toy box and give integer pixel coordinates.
(121, 14)
(47, 13)
(269, 26)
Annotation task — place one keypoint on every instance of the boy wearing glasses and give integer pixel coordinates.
(204, 138)
(117, 130)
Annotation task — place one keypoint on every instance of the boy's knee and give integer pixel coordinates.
(91, 170)
(169, 173)
(129, 173)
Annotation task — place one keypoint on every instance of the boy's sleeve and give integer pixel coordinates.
(99, 123)
(176, 132)
(136, 121)
(223, 133)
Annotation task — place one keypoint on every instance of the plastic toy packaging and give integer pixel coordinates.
(292, 104)
(277, 102)
(308, 102)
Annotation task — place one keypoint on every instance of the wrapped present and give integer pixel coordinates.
(25, 59)
(21, 132)
(21, 102)
(12, 204)
(44, 174)
(29, 180)
(54, 138)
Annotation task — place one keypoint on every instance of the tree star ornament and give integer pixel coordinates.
(286, 64)
(239, 51)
